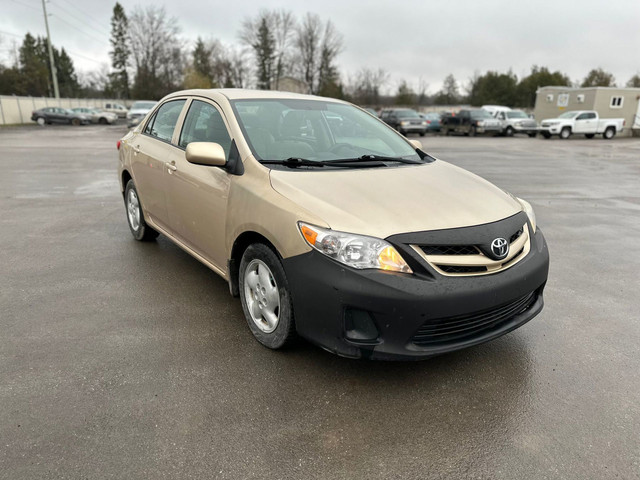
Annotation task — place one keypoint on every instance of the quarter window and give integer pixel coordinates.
(164, 121)
(616, 102)
(204, 124)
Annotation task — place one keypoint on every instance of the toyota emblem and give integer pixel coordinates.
(500, 248)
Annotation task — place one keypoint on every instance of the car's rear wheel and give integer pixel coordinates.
(546, 135)
(75, 122)
(532, 134)
(565, 133)
(41, 121)
(589, 135)
(265, 297)
(609, 133)
(102, 121)
(139, 228)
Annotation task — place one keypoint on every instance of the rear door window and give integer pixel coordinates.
(163, 122)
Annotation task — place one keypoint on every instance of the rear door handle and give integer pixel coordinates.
(171, 166)
(136, 149)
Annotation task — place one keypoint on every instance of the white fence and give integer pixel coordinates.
(14, 109)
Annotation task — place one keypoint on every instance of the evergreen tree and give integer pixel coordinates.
(405, 95)
(120, 52)
(599, 78)
(539, 77)
(34, 74)
(264, 49)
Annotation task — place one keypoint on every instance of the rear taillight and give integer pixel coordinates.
(118, 145)
(428, 122)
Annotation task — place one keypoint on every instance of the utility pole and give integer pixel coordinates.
(54, 73)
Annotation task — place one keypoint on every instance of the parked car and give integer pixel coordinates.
(96, 115)
(433, 121)
(516, 121)
(372, 111)
(138, 111)
(350, 236)
(51, 115)
(470, 122)
(495, 109)
(404, 120)
(116, 108)
(583, 122)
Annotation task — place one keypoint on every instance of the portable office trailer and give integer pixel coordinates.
(609, 102)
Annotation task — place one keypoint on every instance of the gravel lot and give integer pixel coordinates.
(127, 360)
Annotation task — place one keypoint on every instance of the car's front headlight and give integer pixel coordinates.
(357, 251)
(404, 122)
(528, 209)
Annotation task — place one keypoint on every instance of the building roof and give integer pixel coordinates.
(560, 87)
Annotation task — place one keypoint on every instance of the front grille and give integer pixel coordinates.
(516, 235)
(449, 249)
(467, 259)
(461, 269)
(455, 329)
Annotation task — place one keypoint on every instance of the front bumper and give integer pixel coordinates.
(412, 129)
(326, 294)
(550, 129)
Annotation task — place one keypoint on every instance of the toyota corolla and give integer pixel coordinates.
(331, 226)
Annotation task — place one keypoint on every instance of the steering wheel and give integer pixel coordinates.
(338, 146)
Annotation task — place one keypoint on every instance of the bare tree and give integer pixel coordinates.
(269, 35)
(365, 87)
(317, 45)
(157, 50)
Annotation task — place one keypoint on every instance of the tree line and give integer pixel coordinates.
(150, 58)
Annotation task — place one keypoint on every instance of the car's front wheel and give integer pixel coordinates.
(565, 133)
(139, 228)
(265, 296)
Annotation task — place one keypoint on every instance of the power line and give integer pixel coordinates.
(12, 34)
(98, 22)
(82, 56)
(26, 5)
(78, 29)
(80, 19)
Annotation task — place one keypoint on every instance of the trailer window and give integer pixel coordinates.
(616, 102)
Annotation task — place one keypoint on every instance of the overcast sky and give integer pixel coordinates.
(410, 39)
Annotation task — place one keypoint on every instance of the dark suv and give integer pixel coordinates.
(405, 121)
(470, 122)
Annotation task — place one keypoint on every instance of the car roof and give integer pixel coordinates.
(244, 93)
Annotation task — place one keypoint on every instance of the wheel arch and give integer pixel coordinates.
(125, 177)
(240, 244)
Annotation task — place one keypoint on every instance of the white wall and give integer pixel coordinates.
(15, 109)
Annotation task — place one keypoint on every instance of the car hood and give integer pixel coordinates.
(385, 201)
(555, 120)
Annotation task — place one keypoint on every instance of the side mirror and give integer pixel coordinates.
(417, 144)
(206, 153)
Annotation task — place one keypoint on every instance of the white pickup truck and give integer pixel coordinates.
(582, 122)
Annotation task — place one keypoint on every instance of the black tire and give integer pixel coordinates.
(447, 132)
(532, 135)
(143, 232)
(565, 133)
(509, 131)
(422, 134)
(75, 122)
(546, 135)
(609, 133)
(589, 135)
(285, 330)
(102, 121)
(473, 131)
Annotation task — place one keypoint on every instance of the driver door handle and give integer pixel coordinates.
(136, 149)
(171, 166)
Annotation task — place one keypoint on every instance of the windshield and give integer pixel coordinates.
(516, 114)
(568, 115)
(143, 105)
(315, 130)
(407, 114)
(480, 114)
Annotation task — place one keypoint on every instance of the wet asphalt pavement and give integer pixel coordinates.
(120, 359)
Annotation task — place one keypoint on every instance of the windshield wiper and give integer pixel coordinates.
(294, 162)
(373, 158)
